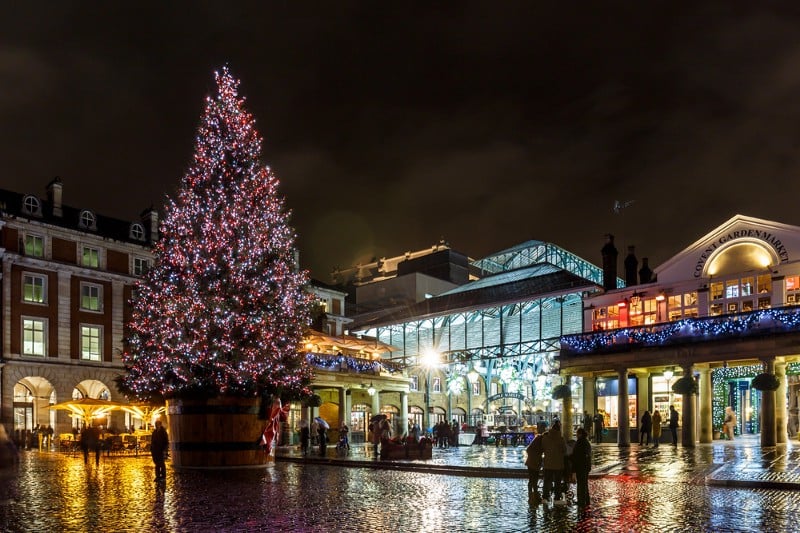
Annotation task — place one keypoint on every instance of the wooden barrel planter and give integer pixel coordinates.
(216, 433)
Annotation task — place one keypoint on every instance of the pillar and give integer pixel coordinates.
(706, 416)
(623, 422)
(768, 428)
(404, 411)
(343, 418)
(688, 425)
(780, 404)
(643, 395)
(589, 394)
(376, 403)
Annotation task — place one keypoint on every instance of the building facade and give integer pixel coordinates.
(67, 275)
(720, 312)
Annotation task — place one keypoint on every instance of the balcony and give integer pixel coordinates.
(347, 364)
(761, 323)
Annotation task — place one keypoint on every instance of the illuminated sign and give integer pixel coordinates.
(766, 236)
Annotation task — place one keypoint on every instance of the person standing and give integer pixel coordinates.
(555, 448)
(582, 465)
(587, 423)
(534, 463)
(90, 441)
(344, 433)
(598, 427)
(673, 424)
(646, 428)
(323, 440)
(730, 422)
(656, 427)
(159, 442)
(305, 437)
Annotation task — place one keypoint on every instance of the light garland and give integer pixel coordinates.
(784, 319)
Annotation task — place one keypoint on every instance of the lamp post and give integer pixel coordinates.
(430, 359)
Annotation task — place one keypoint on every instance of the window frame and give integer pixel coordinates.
(31, 205)
(89, 286)
(34, 238)
(34, 276)
(87, 328)
(84, 249)
(44, 333)
(87, 219)
(137, 232)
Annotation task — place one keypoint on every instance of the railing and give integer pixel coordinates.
(344, 363)
(688, 330)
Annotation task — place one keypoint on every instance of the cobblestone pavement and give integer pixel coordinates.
(636, 489)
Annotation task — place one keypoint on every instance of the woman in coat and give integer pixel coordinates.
(554, 447)
(656, 427)
(582, 465)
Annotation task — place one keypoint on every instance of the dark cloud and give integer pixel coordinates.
(392, 125)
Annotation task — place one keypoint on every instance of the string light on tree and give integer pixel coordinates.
(223, 309)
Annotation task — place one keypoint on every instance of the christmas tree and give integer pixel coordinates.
(223, 309)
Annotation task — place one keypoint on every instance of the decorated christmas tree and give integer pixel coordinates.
(223, 309)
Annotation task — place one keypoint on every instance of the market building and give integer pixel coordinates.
(483, 352)
(720, 312)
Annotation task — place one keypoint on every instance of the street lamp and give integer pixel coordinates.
(668, 373)
(429, 359)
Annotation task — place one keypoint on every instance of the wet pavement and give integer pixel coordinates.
(718, 487)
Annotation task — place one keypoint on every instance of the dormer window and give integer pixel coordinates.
(31, 205)
(87, 220)
(137, 231)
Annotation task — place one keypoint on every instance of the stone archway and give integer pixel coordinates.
(32, 398)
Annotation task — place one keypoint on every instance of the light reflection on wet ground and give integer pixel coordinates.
(59, 493)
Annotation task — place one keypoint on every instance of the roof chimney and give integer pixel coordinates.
(54, 190)
(150, 221)
(609, 252)
(631, 264)
(645, 274)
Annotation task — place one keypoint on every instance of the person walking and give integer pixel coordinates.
(673, 424)
(645, 428)
(534, 463)
(90, 441)
(582, 465)
(656, 428)
(555, 448)
(344, 438)
(598, 427)
(730, 422)
(159, 442)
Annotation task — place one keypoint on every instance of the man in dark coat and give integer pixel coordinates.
(598, 428)
(646, 428)
(534, 464)
(673, 424)
(582, 465)
(158, 448)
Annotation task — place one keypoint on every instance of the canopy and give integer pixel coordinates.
(87, 408)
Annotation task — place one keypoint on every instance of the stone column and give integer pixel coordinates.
(688, 427)
(343, 414)
(780, 404)
(376, 402)
(623, 424)
(768, 428)
(643, 395)
(706, 395)
(404, 411)
(589, 394)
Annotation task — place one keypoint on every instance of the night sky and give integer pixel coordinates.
(392, 125)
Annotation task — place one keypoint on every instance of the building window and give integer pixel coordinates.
(31, 205)
(90, 257)
(140, 266)
(34, 336)
(34, 246)
(91, 337)
(87, 220)
(91, 297)
(414, 384)
(137, 231)
(33, 288)
(476, 388)
(437, 385)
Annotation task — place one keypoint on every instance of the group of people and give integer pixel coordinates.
(651, 426)
(446, 435)
(561, 460)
